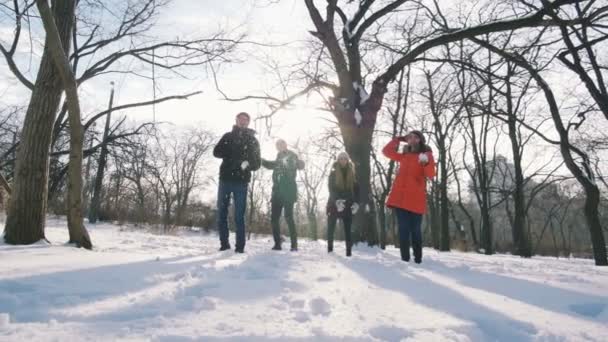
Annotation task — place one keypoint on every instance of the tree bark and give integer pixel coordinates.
(77, 231)
(25, 221)
(5, 184)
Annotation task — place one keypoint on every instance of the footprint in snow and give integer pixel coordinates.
(320, 306)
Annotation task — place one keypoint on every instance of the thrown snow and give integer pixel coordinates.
(358, 117)
(138, 286)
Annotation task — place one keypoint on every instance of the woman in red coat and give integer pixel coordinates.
(408, 193)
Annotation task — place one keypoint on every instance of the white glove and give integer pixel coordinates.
(354, 208)
(423, 158)
(244, 165)
(340, 205)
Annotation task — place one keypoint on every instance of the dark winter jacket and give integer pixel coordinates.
(335, 193)
(285, 169)
(234, 148)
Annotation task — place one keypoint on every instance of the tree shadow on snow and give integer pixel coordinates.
(132, 291)
(492, 324)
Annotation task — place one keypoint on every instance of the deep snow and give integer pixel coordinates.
(138, 286)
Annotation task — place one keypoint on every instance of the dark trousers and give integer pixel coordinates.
(239, 191)
(332, 220)
(277, 206)
(409, 226)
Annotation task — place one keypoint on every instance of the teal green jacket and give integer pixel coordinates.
(284, 171)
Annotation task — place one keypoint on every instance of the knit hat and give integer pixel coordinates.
(420, 136)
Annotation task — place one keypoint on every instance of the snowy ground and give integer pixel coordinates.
(137, 286)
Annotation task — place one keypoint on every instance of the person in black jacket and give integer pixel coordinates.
(343, 200)
(240, 154)
(284, 192)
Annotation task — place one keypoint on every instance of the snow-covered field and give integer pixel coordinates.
(137, 286)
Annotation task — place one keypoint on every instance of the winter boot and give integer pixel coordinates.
(405, 254)
(224, 248)
(330, 246)
(417, 252)
(277, 248)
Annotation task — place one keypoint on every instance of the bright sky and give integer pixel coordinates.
(188, 18)
(266, 21)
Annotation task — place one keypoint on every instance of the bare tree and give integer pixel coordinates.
(189, 151)
(77, 231)
(313, 177)
(445, 113)
(29, 200)
(26, 215)
(577, 161)
(346, 39)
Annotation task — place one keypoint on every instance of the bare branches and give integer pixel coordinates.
(453, 35)
(138, 104)
(10, 53)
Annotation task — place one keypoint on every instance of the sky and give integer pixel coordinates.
(284, 24)
(201, 18)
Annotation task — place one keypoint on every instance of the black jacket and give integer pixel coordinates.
(234, 148)
(285, 169)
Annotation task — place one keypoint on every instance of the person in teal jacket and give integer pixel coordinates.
(284, 191)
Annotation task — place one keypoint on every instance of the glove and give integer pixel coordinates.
(354, 208)
(423, 158)
(244, 165)
(340, 205)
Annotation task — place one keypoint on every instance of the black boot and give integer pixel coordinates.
(330, 246)
(224, 248)
(276, 248)
(417, 252)
(405, 254)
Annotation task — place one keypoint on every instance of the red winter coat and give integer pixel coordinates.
(409, 188)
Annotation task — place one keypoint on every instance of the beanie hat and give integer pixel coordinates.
(420, 136)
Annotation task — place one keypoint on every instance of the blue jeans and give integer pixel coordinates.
(409, 226)
(239, 192)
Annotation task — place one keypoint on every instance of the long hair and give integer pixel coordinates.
(345, 181)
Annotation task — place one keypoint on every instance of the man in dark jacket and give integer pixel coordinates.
(284, 191)
(240, 154)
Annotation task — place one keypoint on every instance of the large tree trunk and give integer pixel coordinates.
(77, 231)
(357, 139)
(27, 209)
